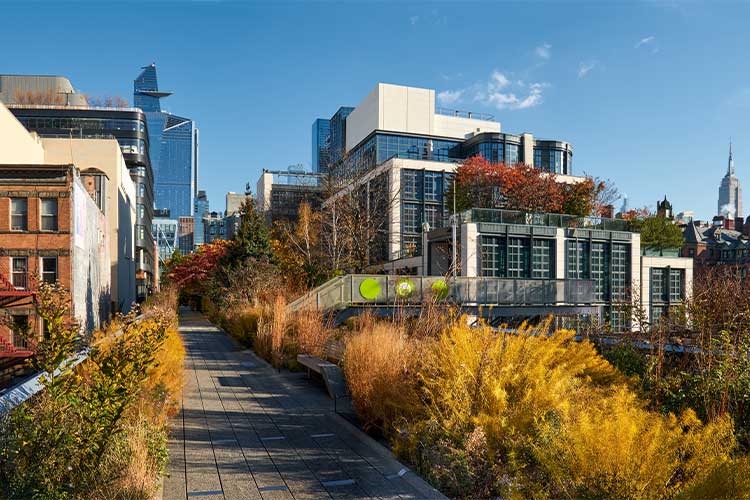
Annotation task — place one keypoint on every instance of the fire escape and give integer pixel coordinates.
(15, 292)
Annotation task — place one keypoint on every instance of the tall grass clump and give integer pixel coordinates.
(484, 414)
(379, 365)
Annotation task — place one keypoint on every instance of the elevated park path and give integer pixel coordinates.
(246, 431)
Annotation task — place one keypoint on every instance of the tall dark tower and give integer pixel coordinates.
(730, 192)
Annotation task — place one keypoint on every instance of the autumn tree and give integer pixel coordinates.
(481, 184)
(298, 248)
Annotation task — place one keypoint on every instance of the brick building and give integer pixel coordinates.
(50, 230)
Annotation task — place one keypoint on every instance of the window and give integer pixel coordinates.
(578, 260)
(493, 256)
(21, 331)
(511, 154)
(49, 269)
(619, 271)
(19, 268)
(658, 294)
(518, 258)
(49, 214)
(19, 210)
(675, 285)
(433, 186)
(411, 184)
(411, 220)
(541, 259)
(600, 270)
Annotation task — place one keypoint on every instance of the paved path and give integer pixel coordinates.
(248, 432)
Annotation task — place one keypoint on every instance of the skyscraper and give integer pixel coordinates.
(730, 192)
(337, 141)
(200, 210)
(320, 137)
(174, 147)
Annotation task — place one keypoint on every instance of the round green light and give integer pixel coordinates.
(404, 288)
(440, 290)
(369, 288)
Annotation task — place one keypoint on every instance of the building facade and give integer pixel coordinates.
(730, 192)
(105, 176)
(200, 209)
(128, 127)
(174, 151)
(51, 231)
(562, 250)
(39, 89)
(321, 130)
(185, 227)
(165, 231)
(280, 193)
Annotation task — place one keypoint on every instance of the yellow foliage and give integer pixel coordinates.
(558, 420)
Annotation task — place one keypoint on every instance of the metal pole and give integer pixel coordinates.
(454, 231)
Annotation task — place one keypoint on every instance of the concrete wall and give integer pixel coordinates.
(91, 275)
(120, 203)
(17, 145)
(462, 128)
(57, 88)
(649, 262)
(263, 192)
(397, 108)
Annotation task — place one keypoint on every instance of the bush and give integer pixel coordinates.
(99, 430)
(379, 364)
(482, 414)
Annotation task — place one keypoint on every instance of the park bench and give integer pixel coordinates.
(332, 375)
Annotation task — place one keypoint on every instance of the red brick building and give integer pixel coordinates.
(50, 230)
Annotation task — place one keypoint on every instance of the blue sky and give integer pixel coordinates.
(647, 93)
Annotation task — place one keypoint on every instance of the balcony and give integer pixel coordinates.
(499, 216)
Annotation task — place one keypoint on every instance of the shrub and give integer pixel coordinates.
(379, 364)
(99, 430)
(534, 415)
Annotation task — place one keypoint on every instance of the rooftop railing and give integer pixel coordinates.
(62, 106)
(500, 216)
(464, 114)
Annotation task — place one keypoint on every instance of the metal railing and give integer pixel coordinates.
(464, 114)
(22, 392)
(362, 290)
(500, 216)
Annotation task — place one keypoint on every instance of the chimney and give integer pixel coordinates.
(728, 223)
(608, 211)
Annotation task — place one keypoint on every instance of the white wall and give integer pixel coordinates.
(462, 128)
(120, 203)
(17, 145)
(397, 108)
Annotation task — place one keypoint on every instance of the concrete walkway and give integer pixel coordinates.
(248, 432)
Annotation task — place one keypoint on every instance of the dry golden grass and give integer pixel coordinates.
(310, 332)
(379, 367)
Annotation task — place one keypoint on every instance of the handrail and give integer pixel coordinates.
(22, 392)
(346, 291)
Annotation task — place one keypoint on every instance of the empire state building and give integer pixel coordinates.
(730, 192)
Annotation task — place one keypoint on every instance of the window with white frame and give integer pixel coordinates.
(19, 271)
(19, 210)
(49, 214)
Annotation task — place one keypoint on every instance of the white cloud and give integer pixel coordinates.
(448, 97)
(414, 20)
(585, 68)
(501, 93)
(543, 51)
(645, 41)
(498, 80)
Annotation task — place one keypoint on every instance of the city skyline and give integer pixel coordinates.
(256, 94)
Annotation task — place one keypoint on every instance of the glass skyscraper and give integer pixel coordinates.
(199, 211)
(320, 135)
(174, 147)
